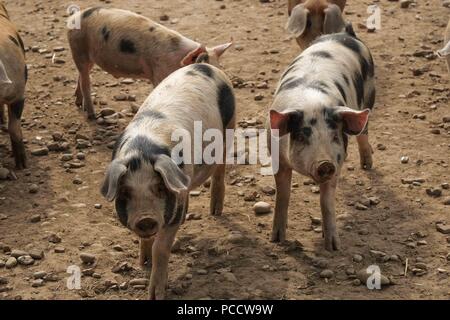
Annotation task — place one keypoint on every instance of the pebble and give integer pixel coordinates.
(37, 254)
(262, 208)
(315, 190)
(35, 218)
(33, 189)
(39, 152)
(54, 238)
(37, 283)
(66, 157)
(235, 237)
(202, 272)
(138, 282)
(195, 193)
(39, 274)
(60, 250)
(404, 160)
(98, 206)
(18, 253)
(25, 260)
(360, 206)
(87, 258)
(268, 190)
(11, 263)
(446, 201)
(442, 228)
(327, 274)
(358, 258)
(434, 192)
(118, 248)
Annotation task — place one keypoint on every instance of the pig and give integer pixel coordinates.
(445, 52)
(309, 19)
(13, 78)
(126, 44)
(325, 95)
(149, 181)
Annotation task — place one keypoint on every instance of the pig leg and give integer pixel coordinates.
(327, 205)
(365, 151)
(15, 133)
(145, 253)
(218, 190)
(78, 94)
(161, 253)
(85, 82)
(283, 183)
(2, 114)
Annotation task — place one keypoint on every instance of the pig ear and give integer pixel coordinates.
(114, 173)
(280, 121)
(334, 22)
(445, 51)
(354, 121)
(297, 22)
(220, 50)
(174, 179)
(3, 75)
(192, 56)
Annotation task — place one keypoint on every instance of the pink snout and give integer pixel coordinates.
(323, 171)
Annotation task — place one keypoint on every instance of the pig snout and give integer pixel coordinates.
(323, 171)
(146, 227)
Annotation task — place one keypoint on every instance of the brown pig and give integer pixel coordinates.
(126, 44)
(13, 78)
(309, 19)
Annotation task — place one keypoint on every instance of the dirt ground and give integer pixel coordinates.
(231, 256)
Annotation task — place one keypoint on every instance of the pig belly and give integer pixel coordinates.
(121, 67)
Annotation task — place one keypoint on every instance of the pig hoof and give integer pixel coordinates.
(333, 244)
(278, 236)
(216, 211)
(157, 294)
(79, 102)
(19, 155)
(366, 161)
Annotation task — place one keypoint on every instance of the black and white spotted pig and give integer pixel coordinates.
(126, 44)
(150, 190)
(325, 95)
(445, 52)
(13, 78)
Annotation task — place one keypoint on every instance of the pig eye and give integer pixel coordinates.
(308, 23)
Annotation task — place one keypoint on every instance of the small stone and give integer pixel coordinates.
(118, 248)
(66, 157)
(360, 206)
(315, 190)
(268, 190)
(37, 283)
(327, 274)
(87, 258)
(98, 206)
(37, 254)
(138, 282)
(25, 260)
(4, 174)
(39, 274)
(164, 17)
(442, 228)
(54, 238)
(195, 193)
(39, 152)
(356, 282)
(262, 208)
(358, 258)
(259, 97)
(35, 218)
(18, 253)
(235, 237)
(11, 263)
(33, 189)
(202, 272)
(434, 192)
(60, 250)
(446, 201)
(404, 160)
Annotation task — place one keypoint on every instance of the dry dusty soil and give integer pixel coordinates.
(55, 208)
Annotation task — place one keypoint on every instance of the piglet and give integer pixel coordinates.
(13, 78)
(150, 178)
(309, 19)
(126, 44)
(324, 96)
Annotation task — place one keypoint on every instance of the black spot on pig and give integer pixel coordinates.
(204, 69)
(14, 40)
(121, 208)
(90, 11)
(319, 86)
(147, 148)
(179, 212)
(105, 33)
(151, 29)
(149, 114)
(26, 73)
(345, 139)
(134, 164)
(346, 79)
(17, 108)
(175, 42)
(292, 83)
(358, 82)
(371, 99)
(313, 122)
(341, 90)
(339, 158)
(307, 132)
(349, 29)
(127, 46)
(331, 118)
(226, 104)
(288, 70)
(322, 54)
(202, 58)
